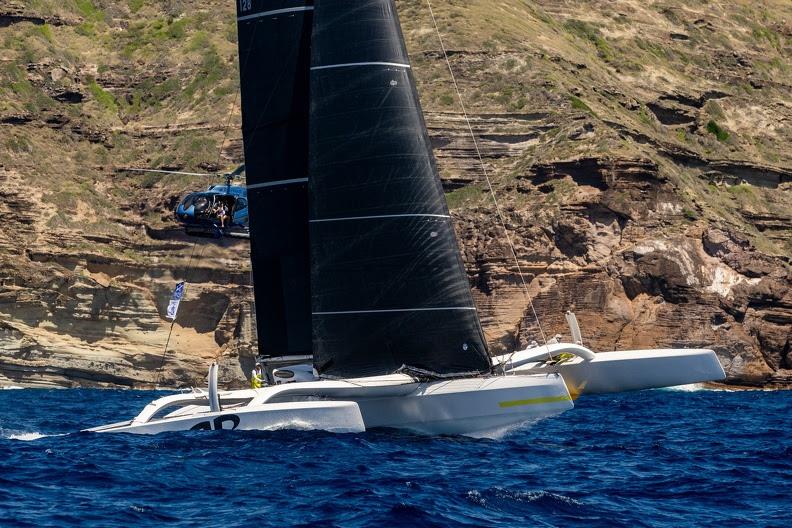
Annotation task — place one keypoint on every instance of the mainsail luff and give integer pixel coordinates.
(389, 289)
(274, 55)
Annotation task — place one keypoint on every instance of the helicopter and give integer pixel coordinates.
(200, 212)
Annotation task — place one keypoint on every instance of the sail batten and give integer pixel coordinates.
(389, 291)
(272, 12)
(374, 217)
(442, 308)
(353, 64)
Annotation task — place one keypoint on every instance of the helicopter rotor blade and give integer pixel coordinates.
(168, 172)
(236, 172)
(273, 183)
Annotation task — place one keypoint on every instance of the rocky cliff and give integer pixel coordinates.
(638, 150)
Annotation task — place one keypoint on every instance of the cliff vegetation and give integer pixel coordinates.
(639, 150)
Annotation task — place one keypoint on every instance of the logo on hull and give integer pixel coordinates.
(221, 422)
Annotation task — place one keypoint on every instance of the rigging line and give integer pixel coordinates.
(173, 323)
(164, 353)
(250, 311)
(225, 129)
(486, 174)
(242, 64)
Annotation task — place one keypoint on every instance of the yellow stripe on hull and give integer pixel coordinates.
(534, 401)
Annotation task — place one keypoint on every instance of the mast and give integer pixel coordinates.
(389, 290)
(274, 55)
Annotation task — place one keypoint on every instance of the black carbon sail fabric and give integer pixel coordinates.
(388, 285)
(274, 59)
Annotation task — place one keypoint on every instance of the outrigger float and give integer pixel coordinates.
(354, 257)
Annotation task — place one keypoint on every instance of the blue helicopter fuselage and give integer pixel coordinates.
(196, 209)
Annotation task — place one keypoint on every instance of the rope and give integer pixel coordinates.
(164, 353)
(225, 129)
(242, 65)
(173, 323)
(486, 176)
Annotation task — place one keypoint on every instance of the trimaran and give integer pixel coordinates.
(355, 262)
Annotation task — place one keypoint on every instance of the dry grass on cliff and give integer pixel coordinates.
(668, 107)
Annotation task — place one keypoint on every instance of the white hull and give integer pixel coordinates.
(336, 417)
(620, 371)
(460, 406)
(469, 406)
(534, 387)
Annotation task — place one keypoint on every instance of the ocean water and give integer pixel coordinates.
(651, 458)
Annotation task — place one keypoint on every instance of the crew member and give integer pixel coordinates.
(256, 377)
(221, 210)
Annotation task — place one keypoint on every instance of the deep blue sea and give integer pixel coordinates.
(652, 458)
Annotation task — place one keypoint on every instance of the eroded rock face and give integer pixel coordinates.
(96, 317)
(639, 159)
(631, 283)
(91, 322)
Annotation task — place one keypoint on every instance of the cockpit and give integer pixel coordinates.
(210, 211)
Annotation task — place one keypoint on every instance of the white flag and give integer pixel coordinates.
(173, 305)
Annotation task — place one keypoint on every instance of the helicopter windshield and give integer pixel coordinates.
(188, 201)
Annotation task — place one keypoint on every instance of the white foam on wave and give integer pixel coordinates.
(11, 387)
(302, 425)
(533, 496)
(694, 387)
(499, 433)
(26, 437)
(477, 497)
(297, 425)
(690, 387)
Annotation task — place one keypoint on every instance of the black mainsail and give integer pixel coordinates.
(274, 58)
(388, 287)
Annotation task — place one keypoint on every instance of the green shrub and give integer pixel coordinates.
(102, 96)
(458, 197)
(211, 70)
(578, 104)
(520, 103)
(135, 5)
(151, 33)
(644, 116)
(177, 29)
(44, 31)
(592, 34)
(717, 130)
(86, 29)
(199, 41)
(22, 87)
(88, 10)
(740, 189)
(150, 179)
(19, 145)
(768, 34)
